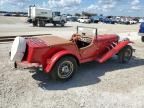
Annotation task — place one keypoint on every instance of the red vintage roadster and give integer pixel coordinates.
(61, 57)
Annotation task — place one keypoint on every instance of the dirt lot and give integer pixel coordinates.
(108, 85)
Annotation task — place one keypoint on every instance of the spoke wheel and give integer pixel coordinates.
(64, 69)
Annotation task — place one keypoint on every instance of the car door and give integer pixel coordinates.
(89, 51)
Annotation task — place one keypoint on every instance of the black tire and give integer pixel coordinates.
(142, 38)
(96, 21)
(34, 23)
(62, 23)
(38, 23)
(125, 54)
(66, 63)
(43, 23)
(54, 24)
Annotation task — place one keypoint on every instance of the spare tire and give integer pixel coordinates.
(18, 49)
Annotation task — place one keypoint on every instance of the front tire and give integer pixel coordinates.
(125, 54)
(142, 38)
(64, 69)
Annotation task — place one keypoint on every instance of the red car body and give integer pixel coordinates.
(47, 50)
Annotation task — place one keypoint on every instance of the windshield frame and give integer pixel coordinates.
(96, 31)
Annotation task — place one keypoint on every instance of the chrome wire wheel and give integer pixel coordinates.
(65, 69)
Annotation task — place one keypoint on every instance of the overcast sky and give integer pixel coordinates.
(106, 7)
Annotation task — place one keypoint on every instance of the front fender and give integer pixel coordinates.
(51, 62)
(113, 51)
(122, 44)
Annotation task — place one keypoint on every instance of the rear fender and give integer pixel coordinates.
(51, 62)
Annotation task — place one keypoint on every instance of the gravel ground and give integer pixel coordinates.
(12, 20)
(107, 85)
(7, 28)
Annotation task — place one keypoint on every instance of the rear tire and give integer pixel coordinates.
(62, 23)
(34, 23)
(43, 23)
(54, 24)
(142, 38)
(38, 23)
(64, 69)
(125, 54)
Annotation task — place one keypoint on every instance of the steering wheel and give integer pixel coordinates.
(76, 37)
(86, 39)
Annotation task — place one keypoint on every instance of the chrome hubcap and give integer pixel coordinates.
(65, 69)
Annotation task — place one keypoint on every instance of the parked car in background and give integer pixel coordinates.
(109, 21)
(94, 19)
(7, 14)
(141, 31)
(141, 20)
(125, 21)
(118, 20)
(72, 18)
(131, 21)
(136, 19)
(101, 18)
(84, 20)
(128, 21)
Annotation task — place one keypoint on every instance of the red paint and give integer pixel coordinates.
(48, 50)
(113, 51)
(56, 57)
